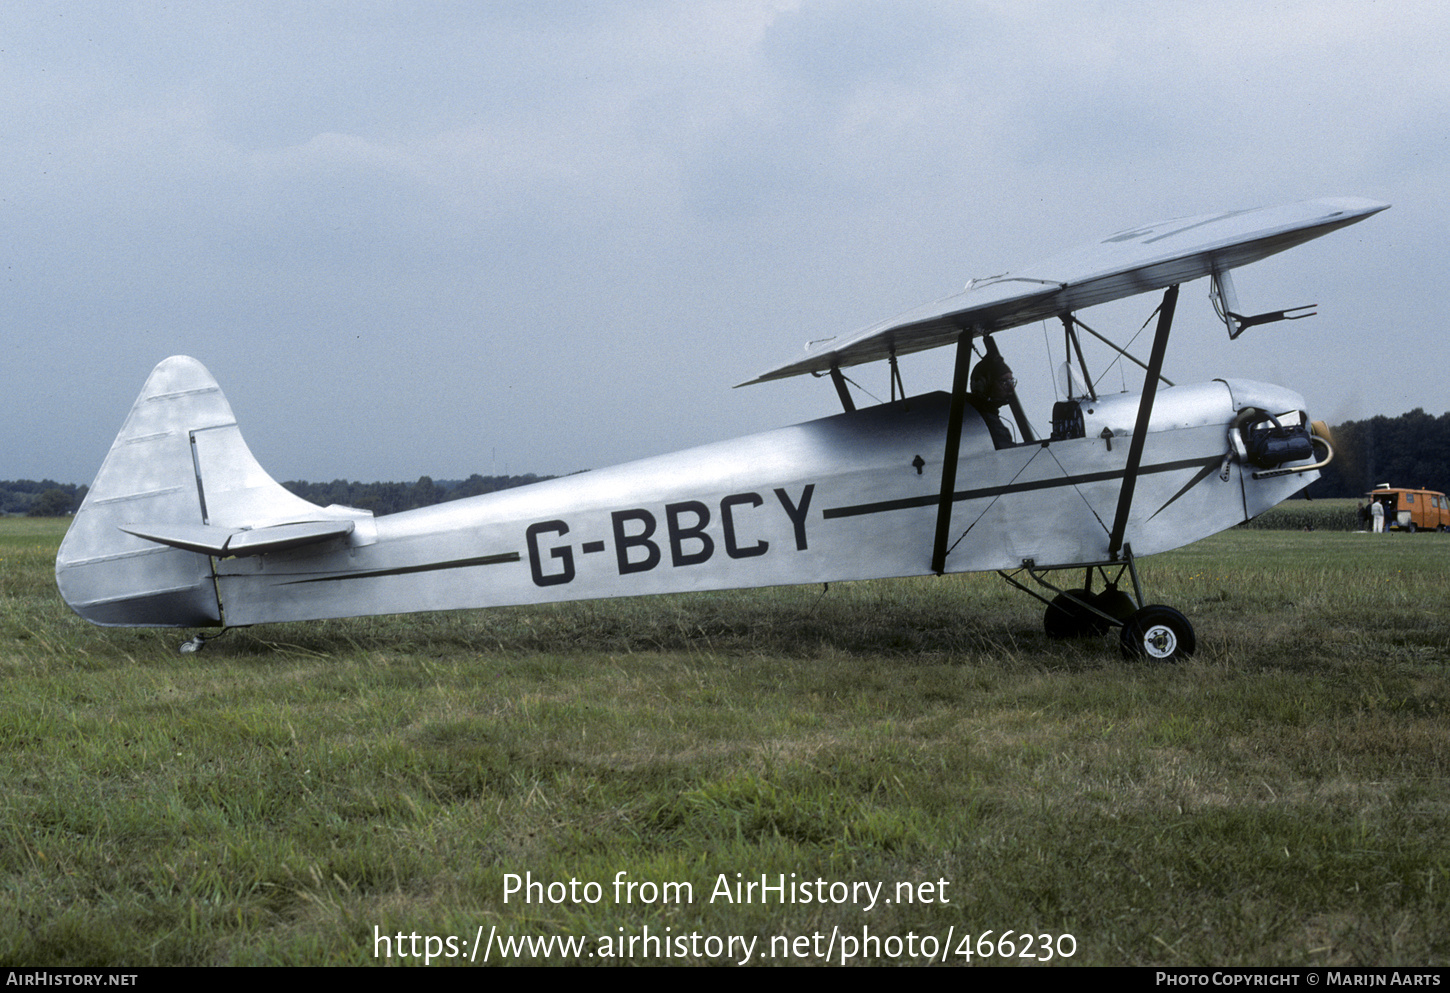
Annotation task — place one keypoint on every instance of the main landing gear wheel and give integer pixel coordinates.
(1155, 633)
(1067, 618)
(1158, 633)
(1115, 603)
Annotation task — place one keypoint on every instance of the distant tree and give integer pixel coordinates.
(52, 503)
(425, 493)
(472, 486)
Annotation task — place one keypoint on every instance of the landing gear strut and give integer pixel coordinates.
(1146, 631)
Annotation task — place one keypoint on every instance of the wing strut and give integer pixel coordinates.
(840, 380)
(1069, 330)
(1114, 346)
(949, 458)
(1140, 427)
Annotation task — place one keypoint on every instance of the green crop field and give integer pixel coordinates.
(895, 771)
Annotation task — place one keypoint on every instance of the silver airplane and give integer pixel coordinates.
(183, 528)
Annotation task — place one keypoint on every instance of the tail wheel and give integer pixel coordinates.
(1158, 633)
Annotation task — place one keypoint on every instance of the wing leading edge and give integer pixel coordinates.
(1129, 262)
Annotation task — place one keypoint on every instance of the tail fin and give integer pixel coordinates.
(178, 486)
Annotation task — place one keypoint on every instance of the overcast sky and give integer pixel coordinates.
(444, 238)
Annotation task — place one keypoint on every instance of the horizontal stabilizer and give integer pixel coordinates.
(209, 539)
(1121, 265)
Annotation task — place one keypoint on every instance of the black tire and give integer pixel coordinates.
(1158, 634)
(1115, 603)
(1065, 618)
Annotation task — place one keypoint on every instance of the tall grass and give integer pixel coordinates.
(296, 792)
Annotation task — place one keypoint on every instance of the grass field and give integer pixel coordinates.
(322, 793)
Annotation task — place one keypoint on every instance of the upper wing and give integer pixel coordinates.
(1121, 265)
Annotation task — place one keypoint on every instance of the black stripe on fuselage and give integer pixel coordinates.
(909, 503)
(408, 569)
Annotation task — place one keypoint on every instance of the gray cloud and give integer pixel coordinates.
(448, 237)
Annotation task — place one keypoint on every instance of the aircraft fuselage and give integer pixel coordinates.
(853, 496)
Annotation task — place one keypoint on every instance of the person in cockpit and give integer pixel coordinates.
(992, 388)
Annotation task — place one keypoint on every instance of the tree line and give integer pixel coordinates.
(392, 498)
(47, 498)
(1412, 449)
